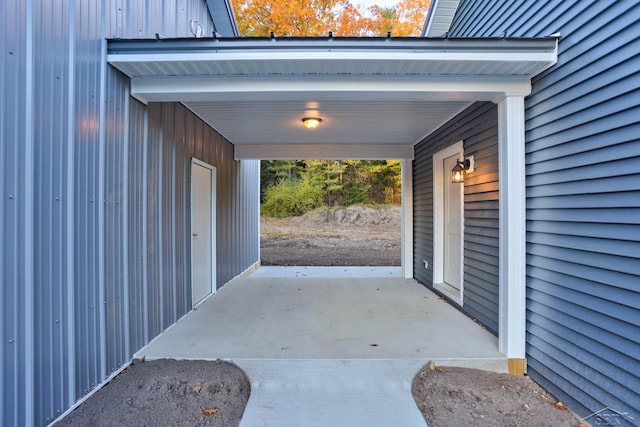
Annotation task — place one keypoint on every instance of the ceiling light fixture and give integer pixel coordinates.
(311, 122)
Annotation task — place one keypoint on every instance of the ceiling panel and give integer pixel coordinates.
(391, 67)
(343, 122)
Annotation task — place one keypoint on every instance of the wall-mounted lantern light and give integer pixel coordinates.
(462, 167)
(311, 122)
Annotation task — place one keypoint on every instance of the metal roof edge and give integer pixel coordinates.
(417, 44)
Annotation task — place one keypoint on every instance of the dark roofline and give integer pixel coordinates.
(416, 44)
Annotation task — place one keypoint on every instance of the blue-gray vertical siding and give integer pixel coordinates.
(94, 200)
(583, 196)
(16, 193)
(477, 128)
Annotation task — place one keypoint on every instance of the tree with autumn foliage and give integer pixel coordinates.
(406, 18)
(259, 18)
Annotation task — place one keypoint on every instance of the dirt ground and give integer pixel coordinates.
(353, 236)
(449, 396)
(168, 393)
(202, 393)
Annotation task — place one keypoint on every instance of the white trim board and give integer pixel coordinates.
(512, 249)
(406, 258)
(322, 151)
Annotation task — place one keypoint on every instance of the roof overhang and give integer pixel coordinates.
(224, 21)
(384, 92)
(439, 17)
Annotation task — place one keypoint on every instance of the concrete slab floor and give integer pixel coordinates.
(329, 346)
(321, 318)
(327, 272)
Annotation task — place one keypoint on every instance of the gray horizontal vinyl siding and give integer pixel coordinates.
(583, 196)
(477, 128)
(94, 201)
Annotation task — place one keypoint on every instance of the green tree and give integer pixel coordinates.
(274, 171)
(328, 176)
(294, 187)
(291, 198)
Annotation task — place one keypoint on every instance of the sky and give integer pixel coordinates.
(369, 3)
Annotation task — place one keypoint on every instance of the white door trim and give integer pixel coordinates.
(213, 170)
(439, 175)
(407, 219)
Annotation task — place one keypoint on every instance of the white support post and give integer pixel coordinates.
(407, 219)
(512, 300)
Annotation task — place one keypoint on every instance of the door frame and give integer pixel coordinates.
(213, 170)
(439, 177)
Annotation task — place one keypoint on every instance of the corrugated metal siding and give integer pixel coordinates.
(94, 201)
(583, 197)
(145, 19)
(16, 80)
(477, 127)
(53, 281)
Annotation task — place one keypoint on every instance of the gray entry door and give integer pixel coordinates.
(203, 230)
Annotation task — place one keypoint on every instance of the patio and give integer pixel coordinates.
(329, 345)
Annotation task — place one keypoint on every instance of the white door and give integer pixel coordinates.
(452, 227)
(203, 229)
(448, 225)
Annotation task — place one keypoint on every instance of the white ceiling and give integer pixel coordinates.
(368, 92)
(343, 122)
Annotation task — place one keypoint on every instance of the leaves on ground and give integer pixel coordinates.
(560, 405)
(207, 412)
(196, 388)
(433, 367)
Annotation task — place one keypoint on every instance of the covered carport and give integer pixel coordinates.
(377, 98)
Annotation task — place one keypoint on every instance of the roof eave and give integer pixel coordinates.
(415, 44)
(439, 17)
(318, 56)
(224, 20)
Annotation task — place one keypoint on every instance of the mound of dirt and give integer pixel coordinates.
(353, 215)
(471, 397)
(352, 236)
(170, 393)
